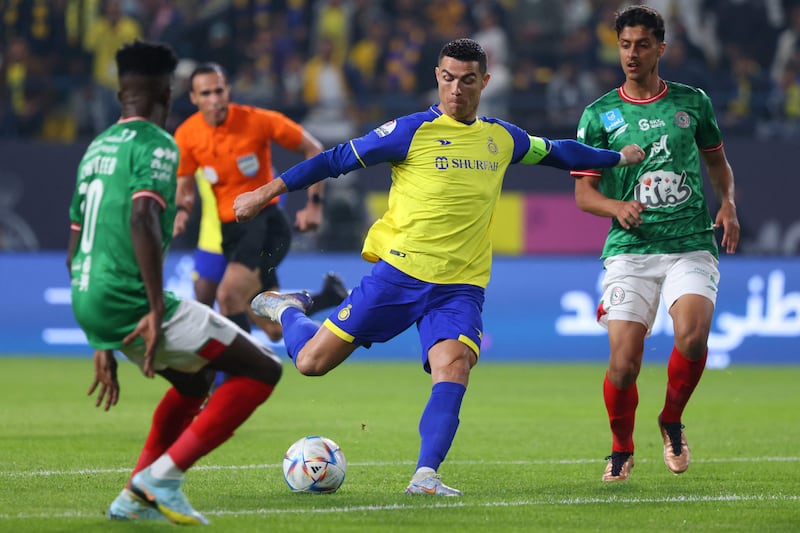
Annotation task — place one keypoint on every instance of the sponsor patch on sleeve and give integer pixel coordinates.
(385, 129)
(612, 119)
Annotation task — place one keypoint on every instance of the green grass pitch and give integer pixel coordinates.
(528, 456)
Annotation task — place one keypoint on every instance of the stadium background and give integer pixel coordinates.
(343, 67)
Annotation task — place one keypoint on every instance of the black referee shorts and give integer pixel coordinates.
(260, 243)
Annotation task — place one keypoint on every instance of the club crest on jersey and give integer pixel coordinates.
(491, 146)
(682, 119)
(385, 129)
(612, 119)
(344, 314)
(620, 131)
(248, 165)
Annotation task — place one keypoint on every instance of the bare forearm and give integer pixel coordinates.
(272, 189)
(722, 182)
(720, 175)
(184, 194)
(248, 204)
(589, 199)
(146, 237)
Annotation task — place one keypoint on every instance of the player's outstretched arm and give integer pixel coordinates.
(247, 205)
(304, 175)
(568, 154)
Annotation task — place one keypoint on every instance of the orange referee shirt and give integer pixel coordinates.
(236, 155)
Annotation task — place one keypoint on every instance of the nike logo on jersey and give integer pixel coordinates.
(617, 133)
(444, 142)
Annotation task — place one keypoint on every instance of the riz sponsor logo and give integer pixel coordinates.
(662, 188)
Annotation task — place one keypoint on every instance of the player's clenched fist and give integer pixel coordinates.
(246, 206)
(631, 155)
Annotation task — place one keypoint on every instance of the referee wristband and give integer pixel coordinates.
(623, 161)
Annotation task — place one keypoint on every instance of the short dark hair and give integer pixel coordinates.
(641, 16)
(207, 68)
(146, 59)
(465, 50)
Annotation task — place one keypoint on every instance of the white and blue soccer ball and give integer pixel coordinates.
(314, 464)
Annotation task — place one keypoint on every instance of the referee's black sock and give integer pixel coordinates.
(241, 320)
(332, 293)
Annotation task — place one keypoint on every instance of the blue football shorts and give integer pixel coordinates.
(209, 265)
(387, 302)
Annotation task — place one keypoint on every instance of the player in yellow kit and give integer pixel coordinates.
(432, 249)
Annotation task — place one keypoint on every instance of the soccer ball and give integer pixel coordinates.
(314, 464)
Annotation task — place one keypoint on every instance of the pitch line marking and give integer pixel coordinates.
(454, 505)
(85, 471)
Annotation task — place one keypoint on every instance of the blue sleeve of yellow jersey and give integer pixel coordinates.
(567, 154)
(560, 153)
(387, 143)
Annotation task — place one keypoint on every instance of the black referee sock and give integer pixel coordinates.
(331, 294)
(241, 320)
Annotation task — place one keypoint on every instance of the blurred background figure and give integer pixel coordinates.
(25, 91)
(366, 59)
(567, 93)
(787, 45)
(327, 95)
(112, 29)
(163, 21)
(495, 41)
(256, 83)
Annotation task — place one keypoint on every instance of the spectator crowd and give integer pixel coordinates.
(342, 66)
